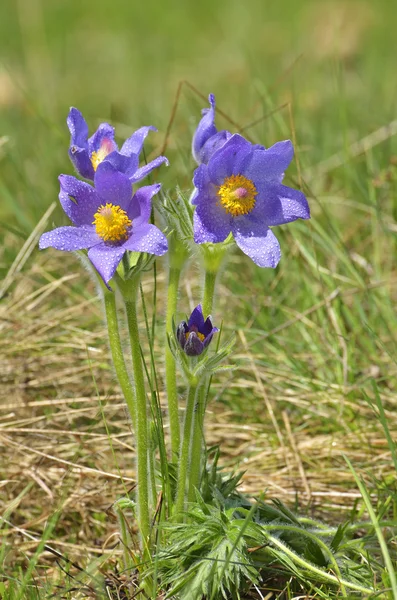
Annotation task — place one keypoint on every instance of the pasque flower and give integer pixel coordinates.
(207, 139)
(108, 220)
(86, 153)
(195, 335)
(240, 191)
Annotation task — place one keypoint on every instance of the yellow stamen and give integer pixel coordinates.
(105, 149)
(111, 223)
(200, 336)
(237, 195)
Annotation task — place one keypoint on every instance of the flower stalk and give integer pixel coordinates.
(170, 367)
(117, 353)
(129, 290)
(197, 442)
(185, 449)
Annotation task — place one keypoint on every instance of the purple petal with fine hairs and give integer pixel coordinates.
(197, 318)
(207, 327)
(112, 186)
(146, 169)
(105, 259)
(141, 204)
(147, 238)
(122, 163)
(193, 346)
(205, 129)
(78, 128)
(277, 204)
(213, 144)
(257, 241)
(209, 337)
(79, 200)
(225, 160)
(270, 164)
(201, 181)
(210, 221)
(181, 332)
(104, 134)
(81, 162)
(134, 144)
(69, 239)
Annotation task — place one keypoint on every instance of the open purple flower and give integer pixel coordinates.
(195, 335)
(207, 139)
(87, 153)
(239, 191)
(108, 220)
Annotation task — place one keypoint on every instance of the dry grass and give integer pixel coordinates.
(57, 454)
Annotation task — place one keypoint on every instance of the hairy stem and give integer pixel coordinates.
(185, 449)
(117, 354)
(170, 367)
(142, 444)
(209, 290)
(197, 443)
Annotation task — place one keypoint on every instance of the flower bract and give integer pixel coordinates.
(108, 220)
(87, 153)
(195, 335)
(207, 139)
(240, 191)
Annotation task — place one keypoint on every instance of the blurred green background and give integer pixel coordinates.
(122, 61)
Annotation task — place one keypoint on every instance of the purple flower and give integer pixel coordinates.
(239, 191)
(108, 220)
(87, 153)
(207, 139)
(195, 335)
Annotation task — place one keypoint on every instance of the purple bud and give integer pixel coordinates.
(194, 336)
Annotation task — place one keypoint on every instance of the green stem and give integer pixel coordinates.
(209, 289)
(170, 367)
(197, 444)
(125, 539)
(185, 449)
(117, 354)
(142, 444)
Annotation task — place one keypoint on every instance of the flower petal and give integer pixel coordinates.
(134, 144)
(105, 259)
(257, 241)
(210, 222)
(112, 186)
(78, 128)
(139, 174)
(193, 346)
(85, 201)
(229, 159)
(147, 238)
(141, 204)
(69, 238)
(277, 204)
(205, 129)
(181, 332)
(207, 327)
(103, 135)
(201, 181)
(122, 163)
(270, 164)
(197, 318)
(81, 162)
(210, 336)
(213, 144)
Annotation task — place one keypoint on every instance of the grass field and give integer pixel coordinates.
(317, 341)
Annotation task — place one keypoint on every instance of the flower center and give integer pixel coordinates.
(237, 195)
(105, 148)
(111, 223)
